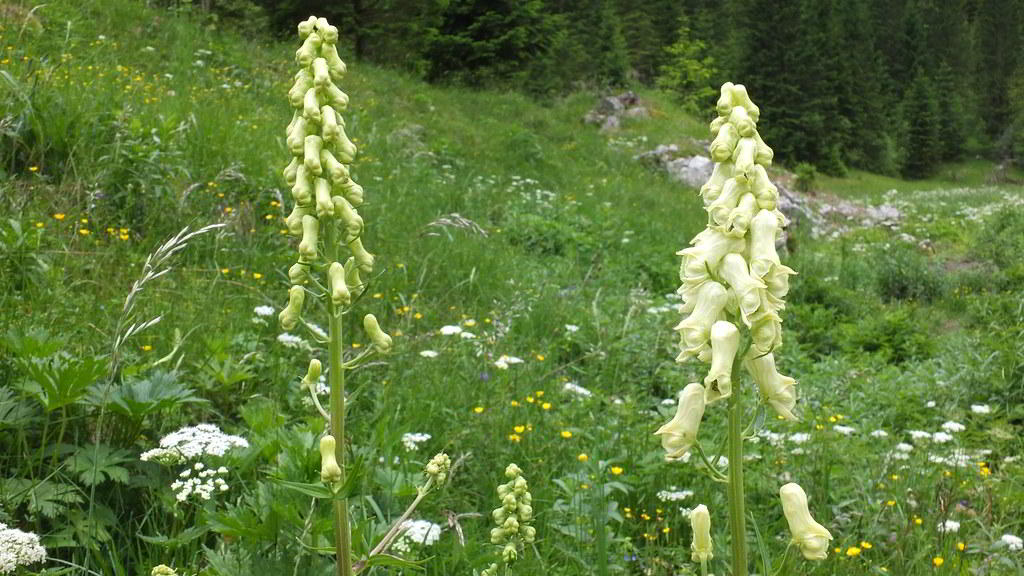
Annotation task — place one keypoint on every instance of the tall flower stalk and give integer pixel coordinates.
(733, 290)
(324, 216)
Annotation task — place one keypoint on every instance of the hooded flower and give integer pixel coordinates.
(695, 329)
(330, 472)
(680, 433)
(744, 287)
(725, 340)
(812, 538)
(700, 521)
(777, 390)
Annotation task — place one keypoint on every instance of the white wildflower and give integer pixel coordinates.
(919, 435)
(844, 430)
(904, 447)
(674, 495)
(668, 402)
(317, 331)
(428, 353)
(953, 427)
(949, 527)
(202, 485)
(574, 388)
(451, 330)
(941, 437)
(412, 440)
(422, 532)
(879, 434)
(981, 408)
(1012, 542)
(930, 404)
(572, 328)
(263, 311)
(799, 437)
(192, 442)
(504, 361)
(18, 548)
(291, 340)
(467, 335)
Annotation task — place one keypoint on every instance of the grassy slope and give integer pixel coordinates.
(577, 233)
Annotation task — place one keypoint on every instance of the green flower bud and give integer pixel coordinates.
(743, 158)
(509, 554)
(725, 340)
(680, 433)
(312, 373)
(764, 154)
(321, 77)
(330, 472)
(719, 210)
(762, 188)
(363, 258)
(700, 521)
(712, 189)
(740, 217)
(738, 117)
(163, 570)
(695, 329)
(336, 98)
(335, 65)
(289, 317)
(297, 136)
(509, 502)
(437, 470)
(290, 170)
(513, 471)
(524, 513)
(337, 171)
(349, 217)
(306, 27)
(724, 143)
(497, 535)
(340, 295)
(529, 534)
(294, 220)
(381, 341)
(324, 205)
(303, 82)
(302, 190)
(310, 236)
(353, 193)
(330, 129)
(298, 273)
(491, 570)
(311, 106)
(352, 279)
(510, 525)
(313, 145)
(812, 538)
(499, 515)
(309, 49)
(328, 33)
(776, 390)
(344, 147)
(744, 286)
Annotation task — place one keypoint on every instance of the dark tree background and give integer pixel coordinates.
(884, 85)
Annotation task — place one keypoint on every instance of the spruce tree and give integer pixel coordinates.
(922, 148)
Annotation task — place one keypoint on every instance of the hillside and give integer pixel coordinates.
(542, 240)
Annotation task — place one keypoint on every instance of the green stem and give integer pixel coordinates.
(703, 567)
(737, 514)
(336, 379)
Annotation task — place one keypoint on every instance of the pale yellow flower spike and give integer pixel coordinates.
(812, 538)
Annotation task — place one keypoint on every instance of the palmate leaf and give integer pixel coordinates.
(44, 497)
(160, 391)
(60, 380)
(183, 537)
(97, 464)
(14, 412)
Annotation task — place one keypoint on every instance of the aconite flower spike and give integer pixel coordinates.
(700, 522)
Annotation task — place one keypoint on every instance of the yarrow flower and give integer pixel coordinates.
(18, 548)
(421, 532)
(193, 442)
(674, 495)
(941, 437)
(844, 430)
(949, 527)
(428, 353)
(919, 435)
(291, 340)
(879, 434)
(504, 361)
(1014, 543)
(412, 440)
(451, 330)
(574, 388)
(263, 311)
(953, 427)
(981, 408)
(200, 482)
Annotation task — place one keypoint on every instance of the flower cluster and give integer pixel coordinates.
(199, 481)
(326, 197)
(18, 548)
(412, 440)
(513, 518)
(436, 471)
(193, 442)
(421, 532)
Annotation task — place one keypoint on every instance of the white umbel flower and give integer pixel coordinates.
(18, 548)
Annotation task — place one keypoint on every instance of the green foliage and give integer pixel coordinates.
(688, 70)
(806, 177)
(923, 148)
(904, 274)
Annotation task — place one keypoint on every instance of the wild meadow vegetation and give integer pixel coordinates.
(526, 272)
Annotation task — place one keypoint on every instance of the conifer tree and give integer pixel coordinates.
(922, 147)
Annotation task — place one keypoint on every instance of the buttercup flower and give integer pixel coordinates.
(680, 433)
(812, 538)
(700, 521)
